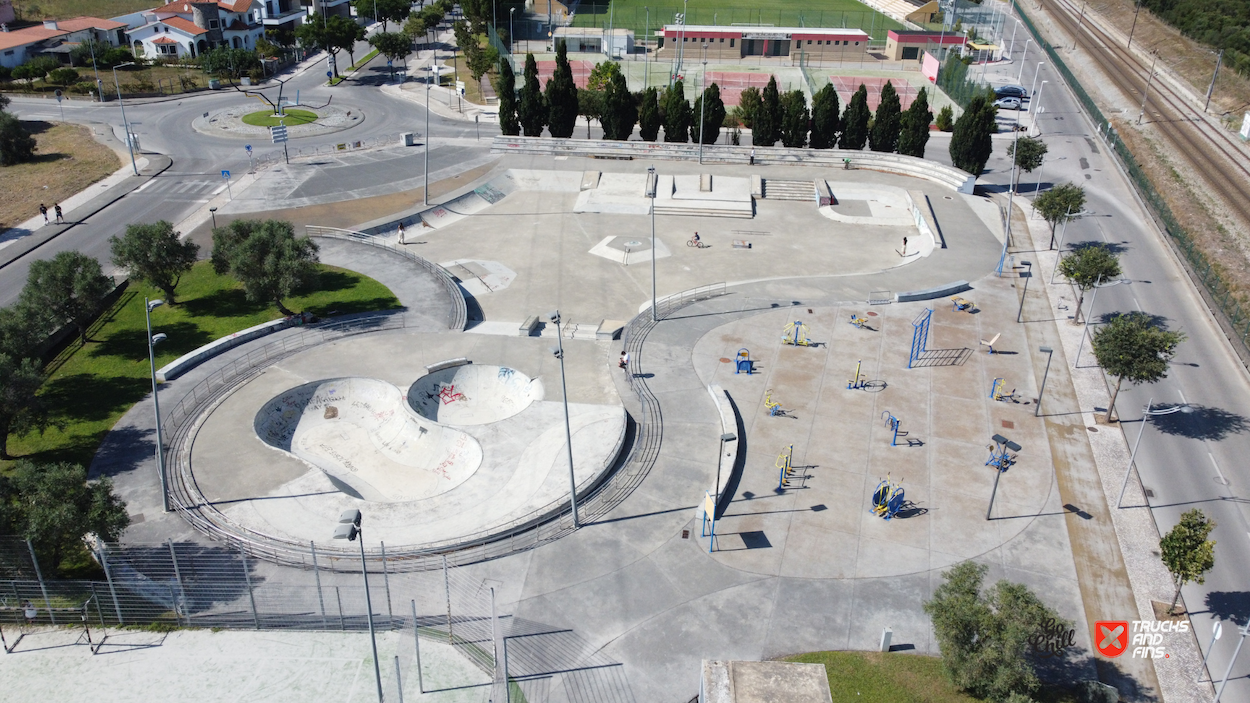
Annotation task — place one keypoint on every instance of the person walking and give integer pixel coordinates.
(59, 217)
(752, 156)
(43, 210)
(401, 234)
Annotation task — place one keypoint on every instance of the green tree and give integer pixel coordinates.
(1187, 552)
(229, 63)
(22, 331)
(1089, 266)
(1026, 154)
(794, 119)
(266, 257)
(54, 507)
(395, 46)
(383, 10)
(601, 75)
(508, 124)
(945, 119)
(16, 144)
(482, 61)
(1058, 205)
(415, 26)
(887, 122)
(825, 122)
(590, 106)
(63, 76)
(713, 116)
(342, 33)
(984, 634)
(749, 104)
(619, 111)
(649, 118)
(22, 410)
(66, 289)
(676, 114)
(766, 128)
(533, 108)
(914, 127)
(155, 254)
(1131, 347)
(970, 146)
(562, 96)
(855, 121)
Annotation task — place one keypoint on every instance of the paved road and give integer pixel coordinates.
(1187, 459)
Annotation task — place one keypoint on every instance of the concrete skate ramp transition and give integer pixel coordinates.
(366, 439)
(473, 394)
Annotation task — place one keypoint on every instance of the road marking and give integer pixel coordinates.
(219, 189)
(1137, 304)
(1217, 469)
(141, 188)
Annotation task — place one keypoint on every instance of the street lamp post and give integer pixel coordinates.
(1023, 54)
(1244, 631)
(511, 27)
(1050, 354)
(1037, 116)
(125, 125)
(426, 194)
(652, 186)
(558, 351)
(1090, 314)
(1063, 232)
(1215, 635)
(1036, 72)
(1132, 29)
(1026, 275)
(1146, 93)
(1146, 415)
(153, 340)
(213, 211)
(703, 103)
(349, 529)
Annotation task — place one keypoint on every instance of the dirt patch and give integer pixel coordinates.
(1161, 611)
(67, 161)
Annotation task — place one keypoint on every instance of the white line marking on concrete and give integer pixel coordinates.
(1217, 468)
(219, 189)
(141, 188)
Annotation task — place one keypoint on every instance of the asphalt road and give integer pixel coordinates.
(1188, 459)
(164, 126)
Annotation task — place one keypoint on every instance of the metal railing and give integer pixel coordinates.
(1224, 301)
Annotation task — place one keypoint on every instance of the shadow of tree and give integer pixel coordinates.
(1229, 605)
(1201, 422)
(231, 302)
(132, 345)
(91, 398)
(1113, 247)
(1153, 320)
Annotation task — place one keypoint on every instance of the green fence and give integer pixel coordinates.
(635, 17)
(956, 80)
(1225, 299)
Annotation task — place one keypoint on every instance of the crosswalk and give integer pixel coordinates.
(182, 191)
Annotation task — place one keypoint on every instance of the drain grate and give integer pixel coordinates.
(685, 534)
(1150, 493)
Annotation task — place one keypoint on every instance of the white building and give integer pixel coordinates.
(183, 28)
(56, 37)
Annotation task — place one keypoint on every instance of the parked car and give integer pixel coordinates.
(1007, 103)
(1011, 91)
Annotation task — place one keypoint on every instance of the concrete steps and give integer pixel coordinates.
(803, 191)
(693, 208)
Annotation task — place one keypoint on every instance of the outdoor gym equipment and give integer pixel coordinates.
(860, 322)
(919, 336)
(784, 463)
(958, 303)
(887, 498)
(893, 423)
(709, 519)
(743, 362)
(998, 391)
(860, 381)
(773, 407)
(991, 343)
(796, 334)
(1001, 459)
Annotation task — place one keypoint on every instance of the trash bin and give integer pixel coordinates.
(214, 84)
(409, 139)
(245, 80)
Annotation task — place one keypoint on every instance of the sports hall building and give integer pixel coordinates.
(724, 43)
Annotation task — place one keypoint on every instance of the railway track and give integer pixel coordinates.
(1221, 162)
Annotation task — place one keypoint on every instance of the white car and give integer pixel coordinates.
(1007, 103)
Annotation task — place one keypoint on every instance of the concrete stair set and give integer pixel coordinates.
(802, 191)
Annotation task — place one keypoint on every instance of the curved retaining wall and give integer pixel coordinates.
(951, 177)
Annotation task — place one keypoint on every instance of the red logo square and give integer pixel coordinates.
(1111, 637)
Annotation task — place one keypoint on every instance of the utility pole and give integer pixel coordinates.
(1218, 62)
(1146, 93)
(1132, 29)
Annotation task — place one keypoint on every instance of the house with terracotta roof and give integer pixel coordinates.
(189, 28)
(53, 37)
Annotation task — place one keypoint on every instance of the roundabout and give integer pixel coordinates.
(244, 121)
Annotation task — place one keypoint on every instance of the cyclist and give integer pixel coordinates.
(696, 239)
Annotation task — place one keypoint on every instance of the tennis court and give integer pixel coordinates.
(546, 69)
(732, 83)
(847, 85)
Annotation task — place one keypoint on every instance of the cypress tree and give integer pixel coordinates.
(562, 97)
(766, 129)
(886, 126)
(676, 114)
(825, 122)
(508, 124)
(533, 108)
(915, 127)
(713, 116)
(794, 120)
(970, 142)
(855, 121)
(619, 111)
(649, 119)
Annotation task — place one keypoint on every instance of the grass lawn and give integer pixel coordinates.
(364, 60)
(472, 88)
(266, 118)
(93, 386)
(632, 14)
(67, 160)
(64, 9)
(858, 677)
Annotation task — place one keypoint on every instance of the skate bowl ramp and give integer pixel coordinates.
(473, 394)
(362, 435)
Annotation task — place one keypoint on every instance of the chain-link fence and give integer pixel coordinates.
(1233, 315)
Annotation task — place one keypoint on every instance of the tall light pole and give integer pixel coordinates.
(1026, 275)
(703, 102)
(434, 69)
(1023, 54)
(1244, 631)
(1012, 50)
(1132, 29)
(1037, 116)
(349, 529)
(558, 351)
(153, 340)
(652, 186)
(1146, 93)
(1218, 62)
(1036, 73)
(511, 27)
(1050, 354)
(125, 125)
(213, 211)
(1146, 415)
(646, 52)
(1098, 285)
